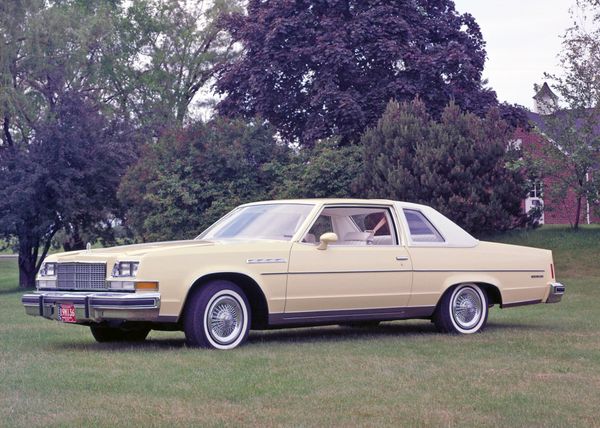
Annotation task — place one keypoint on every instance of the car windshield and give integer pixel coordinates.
(267, 221)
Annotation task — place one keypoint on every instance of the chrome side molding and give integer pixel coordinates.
(265, 261)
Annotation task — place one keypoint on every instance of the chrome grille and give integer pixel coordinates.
(81, 276)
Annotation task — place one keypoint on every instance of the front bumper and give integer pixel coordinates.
(93, 306)
(557, 290)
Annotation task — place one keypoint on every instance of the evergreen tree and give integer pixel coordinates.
(456, 164)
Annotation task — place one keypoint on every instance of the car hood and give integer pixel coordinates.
(135, 250)
(139, 250)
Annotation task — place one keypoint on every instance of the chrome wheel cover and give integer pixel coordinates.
(225, 319)
(467, 308)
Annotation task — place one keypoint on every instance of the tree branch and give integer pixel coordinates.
(47, 244)
(7, 134)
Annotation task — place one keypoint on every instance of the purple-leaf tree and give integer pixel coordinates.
(321, 68)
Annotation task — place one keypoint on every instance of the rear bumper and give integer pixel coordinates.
(557, 290)
(94, 307)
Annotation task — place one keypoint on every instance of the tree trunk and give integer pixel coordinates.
(30, 260)
(75, 242)
(577, 214)
(27, 262)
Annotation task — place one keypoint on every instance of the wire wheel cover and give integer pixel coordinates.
(467, 308)
(225, 319)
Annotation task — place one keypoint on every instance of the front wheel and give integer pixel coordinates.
(463, 309)
(217, 316)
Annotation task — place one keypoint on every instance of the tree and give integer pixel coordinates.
(65, 177)
(62, 151)
(456, 164)
(193, 176)
(572, 159)
(165, 53)
(315, 69)
(327, 170)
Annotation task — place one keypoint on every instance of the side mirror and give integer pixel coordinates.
(326, 239)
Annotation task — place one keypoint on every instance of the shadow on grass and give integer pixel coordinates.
(298, 336)
(15, 290)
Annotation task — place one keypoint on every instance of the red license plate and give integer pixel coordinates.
(66, 313)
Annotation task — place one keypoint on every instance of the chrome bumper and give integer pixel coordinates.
(556, 292)
(93, 306)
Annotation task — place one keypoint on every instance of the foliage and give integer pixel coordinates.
(76, 78)
(514, 115)
(327, 170)
(572, 159)
(316, 69)
(191, 177)
(62, 150)
(167, 52)
(456, 165)
(65, 177)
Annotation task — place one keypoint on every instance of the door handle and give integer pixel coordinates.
(401, 258)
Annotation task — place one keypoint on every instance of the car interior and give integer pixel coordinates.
(354, 226)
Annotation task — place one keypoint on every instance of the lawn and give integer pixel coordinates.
(532, 366)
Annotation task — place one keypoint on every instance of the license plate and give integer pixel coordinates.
(66, 313)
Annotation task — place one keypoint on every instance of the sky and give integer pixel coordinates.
(523, 39)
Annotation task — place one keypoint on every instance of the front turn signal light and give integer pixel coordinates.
(146, 286)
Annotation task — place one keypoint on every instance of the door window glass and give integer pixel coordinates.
(355, 226)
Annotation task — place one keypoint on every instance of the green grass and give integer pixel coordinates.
(533, 366)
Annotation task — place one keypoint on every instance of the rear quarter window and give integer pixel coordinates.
(421, 229)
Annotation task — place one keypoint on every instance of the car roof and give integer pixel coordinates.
(320, 201)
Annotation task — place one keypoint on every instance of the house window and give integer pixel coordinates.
(536, 190)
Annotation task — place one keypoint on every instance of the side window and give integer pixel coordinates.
(377, 222)
(320, 226)
(355, 226)
(421, 230)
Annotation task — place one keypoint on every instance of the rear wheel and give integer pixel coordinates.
(463, 309)
(118, 334)
(217, 316)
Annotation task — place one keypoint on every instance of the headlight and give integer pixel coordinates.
(45, 283)
(125, 269)
(48, 269)
(121, 285)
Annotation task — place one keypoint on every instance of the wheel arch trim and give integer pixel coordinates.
(259, 305)
(488, 283)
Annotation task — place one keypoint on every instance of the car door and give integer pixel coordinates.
(367, 269)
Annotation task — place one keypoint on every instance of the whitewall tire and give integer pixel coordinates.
(217, 316)
(463, 309)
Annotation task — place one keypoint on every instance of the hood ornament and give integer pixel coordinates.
(88, 246)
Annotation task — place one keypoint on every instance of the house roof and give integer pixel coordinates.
(545, 123)
(544, 93)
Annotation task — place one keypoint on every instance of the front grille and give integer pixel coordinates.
(81, 276)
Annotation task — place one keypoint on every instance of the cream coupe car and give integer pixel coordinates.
(294, 263)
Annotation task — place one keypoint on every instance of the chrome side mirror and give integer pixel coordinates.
(326, 239)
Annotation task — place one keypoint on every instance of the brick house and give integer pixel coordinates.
(556, 210)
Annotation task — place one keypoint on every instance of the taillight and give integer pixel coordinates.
(552, 270)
